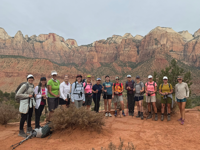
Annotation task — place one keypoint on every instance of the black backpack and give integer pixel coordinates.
(27, 86)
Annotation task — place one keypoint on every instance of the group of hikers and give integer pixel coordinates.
(81, 93)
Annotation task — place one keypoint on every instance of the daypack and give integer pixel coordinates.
(76, 85)
(17, 98)
(43, 131)
(162, 86)
(140, 87)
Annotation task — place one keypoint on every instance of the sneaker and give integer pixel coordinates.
(138, 115)
(123, 114)
(29, 130)
(22, 133)
(141, 115)
(110, 115)
(179, 119)
(156, 117)
(168, 118)
(106, 114)
(162, 117)
(149, 116)
(115, 113)
(182, 122)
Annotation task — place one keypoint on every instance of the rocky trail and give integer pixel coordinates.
(144, 134)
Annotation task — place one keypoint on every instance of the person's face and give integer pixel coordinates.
(165, 80)
(43, 82)
(107, 78)
(66, 79)
(179, 80)
(30, 80)
(79, 79)
(150, 79)
(98, 82)
(117, 80)
(54, 76)
(88, 80)
(137, 79)
(129, 78)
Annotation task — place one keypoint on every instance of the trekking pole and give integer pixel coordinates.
(96, 103)
(27, 119)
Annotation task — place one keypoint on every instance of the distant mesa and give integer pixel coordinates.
(197, 33)
(186, 35)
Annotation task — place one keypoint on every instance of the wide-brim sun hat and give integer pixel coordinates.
(150, 77)
(165, 78)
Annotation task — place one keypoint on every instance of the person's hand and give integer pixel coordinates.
(134, 90)
(112, 96)
(97, 91)
(66, 99)
(83, 102)
(57, 95)
(116, 92)
(43, 96)
(72, 102)
(105, 90)
(141, 91)
(30, 96)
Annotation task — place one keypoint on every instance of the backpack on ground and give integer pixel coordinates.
(27, 86)
(168, 84)
(43, 131)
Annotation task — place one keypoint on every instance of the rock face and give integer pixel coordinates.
(126, 48)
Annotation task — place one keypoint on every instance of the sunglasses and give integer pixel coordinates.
(179, 79)
(117, 79)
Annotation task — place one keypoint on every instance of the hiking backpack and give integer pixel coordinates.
(120, 84)
(43, 131)
(19, 86)
(140, 87)
(76, 85)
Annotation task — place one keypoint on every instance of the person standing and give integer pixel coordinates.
(130, 95)
(26, 96)
(88, 92)
(118, 98)
(97, 90)
(65, 90)
(77, 92)
(107, 87)
(53, 93)
(151, 88)
(139, 96)
(41, 96)
(181, 93)
(166, 90)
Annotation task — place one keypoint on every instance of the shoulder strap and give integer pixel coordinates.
(39, 89)
(85, 85)
(27, 86)
(120, 84)
(140, 85)
(161, 87)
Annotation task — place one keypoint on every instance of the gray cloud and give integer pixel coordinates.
(90, 20)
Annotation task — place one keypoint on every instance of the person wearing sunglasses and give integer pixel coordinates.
(118, 98)
(181, 94)
(166, 90)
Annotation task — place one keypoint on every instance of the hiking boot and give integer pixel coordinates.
(22, 133)
(138, 115)
(141, 115)
(106, 114)
(182, 122)
(162, 117)
(130, 114)
(149, 116)
(115, 113)
(29, 130)
(179, 119)
(168, 118)
(156, 117)
(109, 115)
(123, 114)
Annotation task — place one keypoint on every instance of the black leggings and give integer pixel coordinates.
(96, 102)
(38, 113)
(131, 103)
(24, 118)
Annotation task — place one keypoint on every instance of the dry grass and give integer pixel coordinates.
(121, 146)
(7, 112)
(72, 118)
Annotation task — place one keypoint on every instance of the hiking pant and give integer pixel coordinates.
(131, 103)
(38, 113)
(24, 118)
(96, 103)
(78, 103)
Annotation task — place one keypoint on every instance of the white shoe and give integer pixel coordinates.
(110, 115)
(106, 114)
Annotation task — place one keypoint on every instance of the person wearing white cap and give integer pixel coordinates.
(151, 88)
(130, 95)
(53, 93)
(26, 95)
(166, 90)
(97, 90)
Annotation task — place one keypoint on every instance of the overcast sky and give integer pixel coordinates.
(90, 20)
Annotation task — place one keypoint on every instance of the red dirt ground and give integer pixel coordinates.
(144, 134)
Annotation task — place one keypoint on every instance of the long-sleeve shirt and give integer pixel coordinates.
(182, 90)
(65, 90)
(30, 91)
(76, 92)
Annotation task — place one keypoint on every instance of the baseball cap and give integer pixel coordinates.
(137, 77)
(150, 76)
(79, 76)
(30, 76)
(117, 78)
(88, 76)
(43, 79)
(129, 76)
(106, 76)
(98, 79)
(165, 78)
(53, 73)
